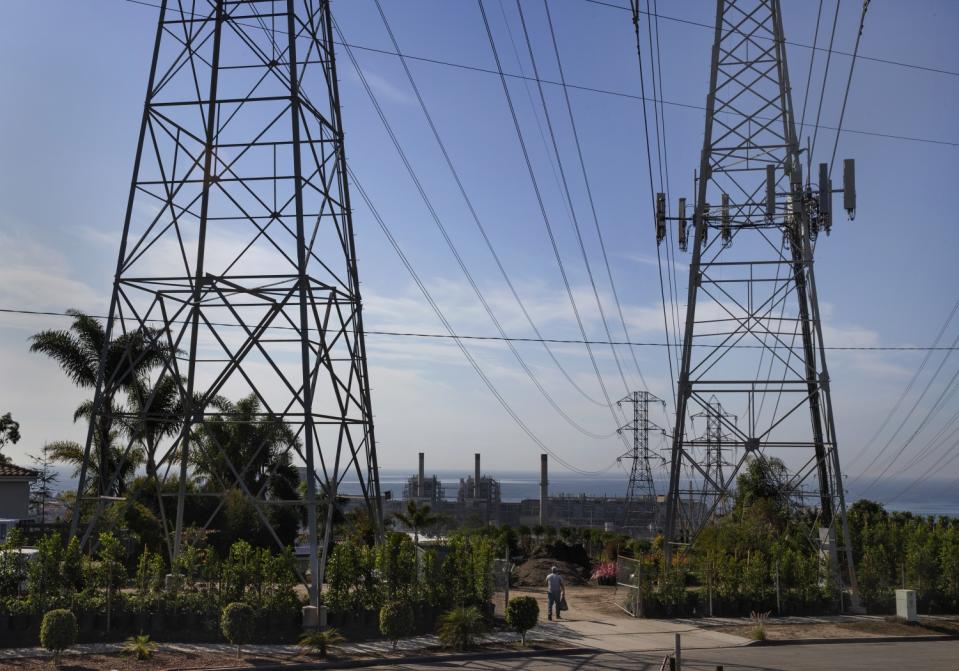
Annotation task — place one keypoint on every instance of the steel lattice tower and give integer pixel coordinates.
(712, 445)
(753, 333)
(237, 258)
(640, 507)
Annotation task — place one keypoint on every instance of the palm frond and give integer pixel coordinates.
(67, 452)
(69, 352)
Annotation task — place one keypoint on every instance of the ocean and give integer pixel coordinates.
(934, 497)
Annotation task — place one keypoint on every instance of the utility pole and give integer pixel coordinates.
(751, 283)
(641, 507)
(237, 264)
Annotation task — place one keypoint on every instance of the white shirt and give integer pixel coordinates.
(554, 583)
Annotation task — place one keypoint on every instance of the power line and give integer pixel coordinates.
(909, 415)
(472, 209)
(875, 59)
(905, 392)
(652, 190)
(845, 95)
(455, 252)
(589, 190)
(610, 92)
(937, 466)
(660, 117)
(452, 334)
(542, 208)
(935, 442)
(825, 78)
(557, 341)
(812, 62)
(932, 412)
(569, 197)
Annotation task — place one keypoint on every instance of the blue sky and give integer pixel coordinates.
(68, 134)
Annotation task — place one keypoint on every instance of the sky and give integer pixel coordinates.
(68, 134)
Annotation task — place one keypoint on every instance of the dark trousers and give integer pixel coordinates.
(552, 598)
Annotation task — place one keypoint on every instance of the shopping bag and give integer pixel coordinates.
(562, 605)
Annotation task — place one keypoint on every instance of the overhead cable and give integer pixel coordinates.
(473, 212)
(558, 341)
(569, 199)
(456, 254)
(621, 94)
(845, 95)
(452, 333)
(813, 47)
(652, 190)
(589, 191)
(887, 416)
(542, 208)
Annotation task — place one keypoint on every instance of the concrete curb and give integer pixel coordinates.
(925, 638)
(411, 659)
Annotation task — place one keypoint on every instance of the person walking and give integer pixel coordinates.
(555, 593)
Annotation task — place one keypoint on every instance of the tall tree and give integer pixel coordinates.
(158, 410)
(41, 491)
(254, 442)
(126, 359)
(9, 433)
(111, 473)
(257, 445)
(417, 517)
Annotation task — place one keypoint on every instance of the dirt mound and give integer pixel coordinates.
(532, 573)
(560, 551)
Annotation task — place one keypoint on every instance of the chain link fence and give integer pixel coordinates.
(629, 594)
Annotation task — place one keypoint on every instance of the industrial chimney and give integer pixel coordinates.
(476, 476)
(543, 489)
(421, 478)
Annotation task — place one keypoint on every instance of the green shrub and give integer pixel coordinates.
(758, 632)
(58, 632)
(236, 623)
(321, 641)
(459, 627)
(396, 620)
(522, 613)
(140, 647)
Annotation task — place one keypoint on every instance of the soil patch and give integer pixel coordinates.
(532, 573)
(870, 628)
(178, 661)
(159, 662)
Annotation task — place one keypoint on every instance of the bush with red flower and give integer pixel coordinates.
(605, 573)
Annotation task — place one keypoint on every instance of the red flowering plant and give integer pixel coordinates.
(605, 573)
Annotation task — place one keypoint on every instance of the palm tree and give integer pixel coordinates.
(159, 415)
(250, 439)
(257, 445)
(417, 517)
(117, 469)
(126, 359)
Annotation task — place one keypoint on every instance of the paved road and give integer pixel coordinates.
(928, 656)
(595, 621)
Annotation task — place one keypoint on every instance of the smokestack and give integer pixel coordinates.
(421, 477)
(476, 476)
(543, 489)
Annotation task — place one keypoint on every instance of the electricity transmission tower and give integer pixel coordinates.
(640, 508)
(237, 265)
(753, 333)
(710, 448)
